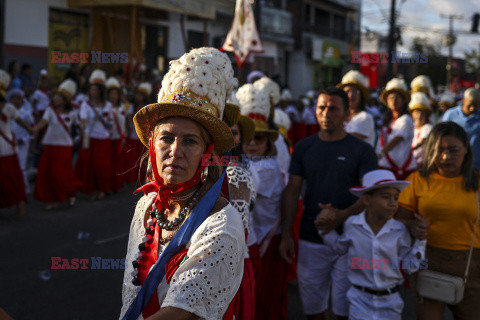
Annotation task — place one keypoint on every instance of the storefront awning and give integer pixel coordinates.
(199, 8)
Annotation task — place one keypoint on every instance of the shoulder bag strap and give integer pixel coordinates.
(473, 240)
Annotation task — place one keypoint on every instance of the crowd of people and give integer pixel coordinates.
(322, 190)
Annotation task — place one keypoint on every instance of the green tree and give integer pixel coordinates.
(472, 63)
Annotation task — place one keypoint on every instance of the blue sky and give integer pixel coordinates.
(423, 18)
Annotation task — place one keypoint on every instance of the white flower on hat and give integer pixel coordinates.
(98, 76)
(286, 95)
(271, 87)
(419, 100)
(112, 83)
(281, 119)
(204, 71)
(253, 100)
(68, 87)
(4, 79)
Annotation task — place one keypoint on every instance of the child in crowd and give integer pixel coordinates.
(420, 110)
(376, 244)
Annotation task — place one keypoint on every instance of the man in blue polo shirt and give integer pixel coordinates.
(330, 163)
(468, 116)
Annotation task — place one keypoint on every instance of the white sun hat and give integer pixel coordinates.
(377, 179)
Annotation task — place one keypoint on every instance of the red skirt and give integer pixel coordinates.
(271, 288)
(134, 169)
(56, 181)
(94, 166)
(12, 185)
(118, 165)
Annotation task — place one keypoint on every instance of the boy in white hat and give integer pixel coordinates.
(376, 244)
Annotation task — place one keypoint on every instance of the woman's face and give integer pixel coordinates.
(113, 96)
(450, 156)
(237, 135)
(257, 146)
(94, 92)
(419, 116)
(395, 101)
(139, 98)
(58, 100)
(353, 97)
(179, 147)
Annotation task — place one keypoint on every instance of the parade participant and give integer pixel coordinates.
(22, 137)
(40, 99)
(377, 246)
(445, 102)
(240, 192)
(423, 84)
(442, 193)
(308, 117)
(134, 150)
(419, 108)
(273, 90)
(375, 109)
(330, 163)
(114, 94)
(94, 164)
(359, 123)
(12, 185)
(467, 115)
(254, 76)
(298, 130)
(282, 121)
(394, 147)
(189, 263)
(271, 285)
(56, 181)
(13, 70)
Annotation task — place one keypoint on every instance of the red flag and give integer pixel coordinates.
(243, 38)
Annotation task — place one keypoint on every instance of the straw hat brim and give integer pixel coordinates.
(364, 91)
(248, 127)
(147, 117)
(400, 185)
(385, 93)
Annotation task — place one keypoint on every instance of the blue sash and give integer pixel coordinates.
(179, 241)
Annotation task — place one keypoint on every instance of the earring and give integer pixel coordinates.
(204, 175)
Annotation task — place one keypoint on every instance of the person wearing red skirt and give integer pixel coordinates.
(134, 150)
(12, 185)
(94, 163)
(114, 94)
(56, 181)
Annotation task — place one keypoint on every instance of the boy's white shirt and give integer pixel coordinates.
(392, 242)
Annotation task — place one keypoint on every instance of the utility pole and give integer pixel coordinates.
(450, 41)
(391, 42)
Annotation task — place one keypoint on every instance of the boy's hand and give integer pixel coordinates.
(329, 218)
(419, 227)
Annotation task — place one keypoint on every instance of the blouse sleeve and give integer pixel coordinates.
(207, 281)
(403, 128)
(242, 191)
(408, 198)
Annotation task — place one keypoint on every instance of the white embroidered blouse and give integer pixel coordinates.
(206, 282)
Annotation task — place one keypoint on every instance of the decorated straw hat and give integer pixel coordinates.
(4, 82)
(255, 104)
(377, 179)
(145, 88)
(286, 95)
(419, 101)
(395, 85)
(67, 89)
(282, 121)
(422, 84)
(356, 79)
(447, 98)
(112, 83)
(97, 77)
(195, 87)
(273, 90)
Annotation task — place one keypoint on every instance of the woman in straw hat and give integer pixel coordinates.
(270, 293)
(239, 189)
(56, 181)
(94, 164)
(360, 123)
(134, 149)
(186, 245)
(419, 108)
(114, 95)
(394, 147)
(12, 185)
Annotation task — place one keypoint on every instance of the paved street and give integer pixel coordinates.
(28, 246)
